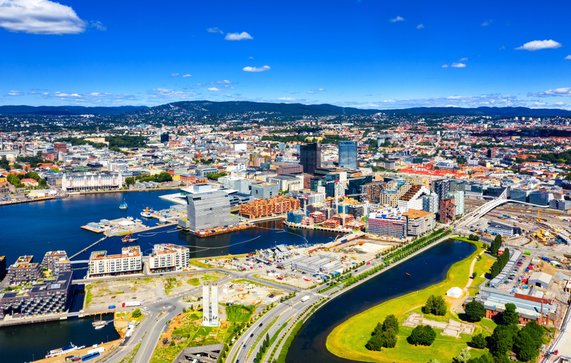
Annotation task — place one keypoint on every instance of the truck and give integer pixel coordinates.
(90, 356)
(130, 304)
(111, 307)
(305, 298)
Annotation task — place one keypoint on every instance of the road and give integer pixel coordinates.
(244, 350)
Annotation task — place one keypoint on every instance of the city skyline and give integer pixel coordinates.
(356, 53)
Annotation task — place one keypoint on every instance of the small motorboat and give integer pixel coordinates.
(407, 274)
(147, 213)
(128, 238)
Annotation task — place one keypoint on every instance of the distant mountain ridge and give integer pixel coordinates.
(203, 108)
(67, 110)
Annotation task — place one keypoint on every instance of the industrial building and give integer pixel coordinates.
(168, 257)
(501, 229)
(128, 261)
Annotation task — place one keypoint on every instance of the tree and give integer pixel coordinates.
(130, 180)
(475, 311)
(391, 323)
(14, 180)
(510, 315)
(478, 341)
(486, 358)
(495, 245)
(463, 357)
(422, 335)
(384, 335)
(435, 305)
(136, 313)
(502, 340)
(528, 342)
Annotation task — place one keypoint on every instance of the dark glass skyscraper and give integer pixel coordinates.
(348, 154)
(310, 157)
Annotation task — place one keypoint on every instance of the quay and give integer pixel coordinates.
(319, 228)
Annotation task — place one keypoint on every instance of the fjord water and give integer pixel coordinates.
(35, 228)
(426, 269)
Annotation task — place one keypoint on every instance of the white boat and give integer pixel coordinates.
(147, 213)
(60, 351)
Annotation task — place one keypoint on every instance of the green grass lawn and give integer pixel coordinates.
(348, 339)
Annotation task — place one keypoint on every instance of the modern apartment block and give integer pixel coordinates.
(390, 225)
(419, 222)
(24, 270)
(168, 257)
(447, 210)
(128, 261)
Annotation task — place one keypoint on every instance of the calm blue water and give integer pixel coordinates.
(35, 228)
(425, 269)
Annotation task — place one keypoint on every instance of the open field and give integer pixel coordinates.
(348, 339)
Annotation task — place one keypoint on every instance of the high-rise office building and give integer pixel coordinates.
(348, 154)
(310, 157)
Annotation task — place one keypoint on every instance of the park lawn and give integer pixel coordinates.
(481, 268)
(348, 339)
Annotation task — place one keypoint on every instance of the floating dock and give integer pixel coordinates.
(220, 230)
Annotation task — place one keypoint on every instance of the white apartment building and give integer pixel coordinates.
(91, 181)
(168, 257)
(130, 260)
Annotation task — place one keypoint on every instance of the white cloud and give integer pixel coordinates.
(14, 93)
(67, 95)
(224, 82)
(213, 89)
(215, 30)
(397, 19)
(181, 75)
(445, 66)
(167, 93)
(238, 36)
(39, 17)
(562, 92)
(463, 59)
(256, 69)
(568, 57)
(287, 99)
(420, 26)
(97, 25)
(487, 22)
(539, 45)
(458, 65)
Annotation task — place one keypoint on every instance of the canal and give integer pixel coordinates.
(425, 269)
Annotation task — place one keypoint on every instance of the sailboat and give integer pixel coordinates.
(123, 206)
(100, 324)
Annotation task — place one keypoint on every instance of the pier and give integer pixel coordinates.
(87, 248)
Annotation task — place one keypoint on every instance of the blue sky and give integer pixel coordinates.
(368, 53)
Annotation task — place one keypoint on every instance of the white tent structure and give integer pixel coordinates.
(455, 292)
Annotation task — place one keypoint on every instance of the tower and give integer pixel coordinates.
(210, 305)
(310, 157)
